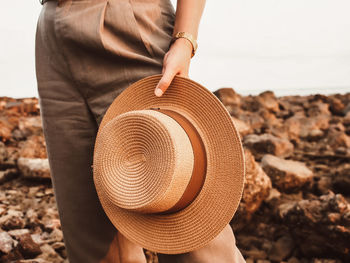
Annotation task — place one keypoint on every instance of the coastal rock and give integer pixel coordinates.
(229, 98)
(33, 147)
(286, 175)
(27, 247)
(34, 167)
(321, 226)
(300, 221)
(6, 242)
(256, 189)
(243, 128)
(268, 143)
(301, 127)
(268, 100)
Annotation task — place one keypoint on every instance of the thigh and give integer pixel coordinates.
(69, 129)
(109, 44)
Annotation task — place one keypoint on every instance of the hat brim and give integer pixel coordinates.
(213, 208)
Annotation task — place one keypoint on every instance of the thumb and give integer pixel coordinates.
(164, 82)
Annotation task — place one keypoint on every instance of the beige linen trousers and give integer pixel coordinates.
(86, 53)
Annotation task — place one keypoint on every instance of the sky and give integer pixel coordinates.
(292, 47)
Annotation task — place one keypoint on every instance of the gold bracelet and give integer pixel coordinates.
(189, 37)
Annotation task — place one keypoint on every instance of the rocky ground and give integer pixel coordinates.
(296, 201)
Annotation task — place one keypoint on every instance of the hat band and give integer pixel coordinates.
(200, 161)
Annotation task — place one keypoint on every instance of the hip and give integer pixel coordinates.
(91, 41)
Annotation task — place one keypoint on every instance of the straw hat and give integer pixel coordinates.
(168, 170)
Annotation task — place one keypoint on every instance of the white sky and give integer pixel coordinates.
(288, 46)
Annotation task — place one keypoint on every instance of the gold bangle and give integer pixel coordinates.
(189, 37)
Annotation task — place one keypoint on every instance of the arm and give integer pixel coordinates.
(177, 60)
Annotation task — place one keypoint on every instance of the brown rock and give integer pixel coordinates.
(6, 242)
(33, 147)
(317, 108)
(282, 248)
(5, 129)
(34, 167)
(336, 106)
(346, 119)
(256, 190)
(253, 119)
(243, 128)
(300, 126)
(48, 253)
(268, 143)
(3, 153)
(17, 233)
(8, 174)
(28, 247)
(319, 234)
(30, 125)
(12, 220)
(268, 100)
(286, 175)
(336, 139)
(229, 98)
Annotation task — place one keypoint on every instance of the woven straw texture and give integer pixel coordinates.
(150, 152)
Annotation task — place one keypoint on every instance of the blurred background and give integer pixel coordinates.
(290, 46)
(281, 69)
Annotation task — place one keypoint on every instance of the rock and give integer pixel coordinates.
(324, 184)
(3, 153)
(317, 234)
(243, 128)
(33, 147)
(315, 135)
(268, 100)
(28, 247)
(34, 167)
(6, 242)
(267, 143)
(317, 108)
(5, 130)
(336, 139)
(36, 260)
(50, 254)
(293, 260)
(256, 189)
(229, 98)
(346, 119)
(8, 174)
(12, 220)
(17, 233)
(300, 127)
(282, 248)
(336, 106)
(274, 194)
(341, 181)
(253, 119)
(56, 235)
(30, 125)
(254, 253)
(286, 175)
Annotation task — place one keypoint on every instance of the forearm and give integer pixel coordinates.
(188, 15)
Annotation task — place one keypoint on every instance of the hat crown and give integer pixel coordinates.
(150, 161)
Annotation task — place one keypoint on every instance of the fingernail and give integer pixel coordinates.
(158, 92)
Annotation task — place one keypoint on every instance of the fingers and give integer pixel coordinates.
(165, 81)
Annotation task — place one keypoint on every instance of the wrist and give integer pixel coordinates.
(184, 42)
(188, 38)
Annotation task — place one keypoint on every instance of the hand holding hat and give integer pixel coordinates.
(168, 171)
(176, 62)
